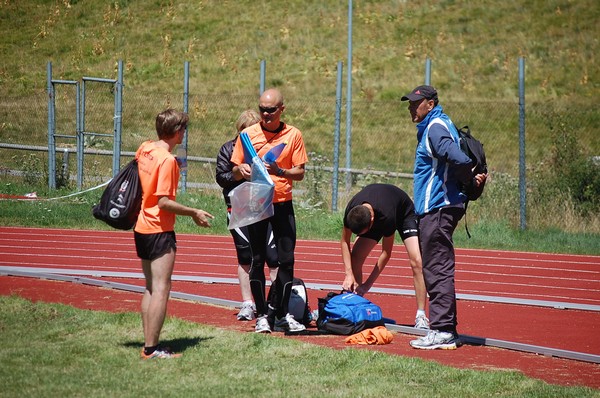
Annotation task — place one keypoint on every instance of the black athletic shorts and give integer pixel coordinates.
(152, 246)
(410, 227)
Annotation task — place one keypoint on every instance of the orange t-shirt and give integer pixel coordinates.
(294, 154)
(159, 176)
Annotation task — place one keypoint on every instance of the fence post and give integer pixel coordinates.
(51, 127)
(427, 71)
(522, 174)
(186, 95)
(118, 119)
(82, 126)
(263, 73)
(65, 166)
(80, 138)
(349, 104)
(336, 138)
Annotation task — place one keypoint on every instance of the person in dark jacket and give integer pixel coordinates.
(440, 169)
(226, 179)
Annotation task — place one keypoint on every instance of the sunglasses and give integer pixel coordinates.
(272, 109)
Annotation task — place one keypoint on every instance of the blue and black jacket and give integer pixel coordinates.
(440, 165)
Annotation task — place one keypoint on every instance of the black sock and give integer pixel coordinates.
(271, 313)
(150, 350)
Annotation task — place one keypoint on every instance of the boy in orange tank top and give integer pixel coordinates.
(154, 233)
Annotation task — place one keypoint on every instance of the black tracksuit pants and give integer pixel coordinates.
(437, 251)
(283, 223)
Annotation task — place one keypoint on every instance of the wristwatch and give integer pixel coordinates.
(280, 172)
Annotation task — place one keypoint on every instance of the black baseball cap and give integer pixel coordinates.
(420, 93)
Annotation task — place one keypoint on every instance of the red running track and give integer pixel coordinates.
(572, 280)
(559, 278)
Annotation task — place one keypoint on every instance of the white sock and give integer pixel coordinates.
(248, 302)
(420, 312)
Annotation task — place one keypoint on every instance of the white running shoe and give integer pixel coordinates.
(437, 340)
(246, 312)
(262, 325)
(159, 353)
(289, 324)
(421, 322)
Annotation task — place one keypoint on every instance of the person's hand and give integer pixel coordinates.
(479, 179)
(349, 284)
(362, 289)
(202, 218)
(245, 170)
(272, 168)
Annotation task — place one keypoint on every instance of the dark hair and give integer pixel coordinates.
(170, 122)
(358, 219)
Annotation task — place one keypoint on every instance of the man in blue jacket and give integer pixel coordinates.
(440, 170)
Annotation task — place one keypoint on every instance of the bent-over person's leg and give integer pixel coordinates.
(416, 265)
(360, 251)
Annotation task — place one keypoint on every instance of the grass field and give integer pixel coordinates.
(56, 350)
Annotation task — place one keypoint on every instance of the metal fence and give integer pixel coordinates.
(383, 136)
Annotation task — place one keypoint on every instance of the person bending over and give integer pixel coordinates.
(376, 212)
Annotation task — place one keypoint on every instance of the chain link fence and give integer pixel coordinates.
(383, 136)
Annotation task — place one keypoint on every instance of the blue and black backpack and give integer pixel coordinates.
(347, 313)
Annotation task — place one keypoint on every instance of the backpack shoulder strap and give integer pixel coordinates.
(466, 223)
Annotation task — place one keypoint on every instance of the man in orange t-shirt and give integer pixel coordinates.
(288, 167)
(154, 230)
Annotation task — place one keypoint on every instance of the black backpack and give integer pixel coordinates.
(474, 149)
(298, 304)
(121, 201)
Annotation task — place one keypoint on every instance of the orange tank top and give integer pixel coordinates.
(159, 176)
(294, 154)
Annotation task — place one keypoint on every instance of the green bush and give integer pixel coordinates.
(569, 171)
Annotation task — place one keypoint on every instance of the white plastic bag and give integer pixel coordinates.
(252, 201)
